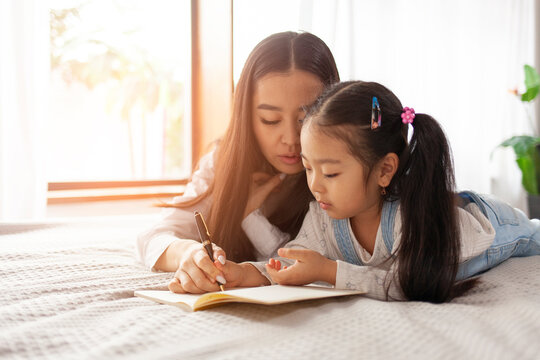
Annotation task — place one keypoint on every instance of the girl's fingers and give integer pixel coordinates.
(274, 264)
(280, 276)
(272, 272)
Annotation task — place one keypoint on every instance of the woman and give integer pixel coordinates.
(251, 189)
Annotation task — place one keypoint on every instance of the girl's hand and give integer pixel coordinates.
(310, 266)
(262, 184)
(196, 273)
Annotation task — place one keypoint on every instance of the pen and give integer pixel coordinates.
(204, 236)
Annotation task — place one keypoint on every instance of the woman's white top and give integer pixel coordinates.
(179, 223)
(377, 273)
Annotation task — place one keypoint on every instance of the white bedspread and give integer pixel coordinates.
(66, 291)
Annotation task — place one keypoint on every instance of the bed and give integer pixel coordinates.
(67, 292)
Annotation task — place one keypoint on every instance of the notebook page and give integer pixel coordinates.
(277, 294)
(168, 298)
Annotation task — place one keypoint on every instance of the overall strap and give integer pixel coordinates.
(388, 217)
(344, 241)
(470, 196)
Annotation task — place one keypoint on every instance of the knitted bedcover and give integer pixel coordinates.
(66, 291)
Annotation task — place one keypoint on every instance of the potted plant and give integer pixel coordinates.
(526, 147)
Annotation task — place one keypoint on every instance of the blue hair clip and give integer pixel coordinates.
(375, 114)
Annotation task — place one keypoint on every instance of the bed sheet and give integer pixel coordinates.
(66, 291)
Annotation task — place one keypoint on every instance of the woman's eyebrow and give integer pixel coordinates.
(303, 108)
(269, 107)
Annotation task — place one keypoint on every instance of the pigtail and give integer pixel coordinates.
(430, 243)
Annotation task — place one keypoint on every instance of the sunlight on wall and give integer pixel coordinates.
(255, 20)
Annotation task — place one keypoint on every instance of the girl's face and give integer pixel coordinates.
(336, 178)
(279, 104)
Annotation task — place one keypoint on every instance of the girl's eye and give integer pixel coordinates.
(329, 176)
(269, 122)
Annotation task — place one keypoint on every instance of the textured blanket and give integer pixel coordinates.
(66, 291)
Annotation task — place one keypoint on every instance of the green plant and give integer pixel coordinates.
(526, 147)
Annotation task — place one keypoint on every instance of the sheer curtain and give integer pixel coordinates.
(455, 60)
(24, 72)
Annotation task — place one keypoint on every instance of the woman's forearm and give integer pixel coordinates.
(170, 259)
(251, 276)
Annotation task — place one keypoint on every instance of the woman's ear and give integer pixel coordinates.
(388, 166)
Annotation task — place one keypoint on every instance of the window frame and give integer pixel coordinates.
(211, 51)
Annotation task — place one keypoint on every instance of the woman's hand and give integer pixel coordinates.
(195, 271)
(241, 275)
(310, 266)
(262, 184)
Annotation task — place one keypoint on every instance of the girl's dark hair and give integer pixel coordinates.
(238, 153)
(429, 253)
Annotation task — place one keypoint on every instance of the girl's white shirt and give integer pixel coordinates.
(179, 223)
(377, 274)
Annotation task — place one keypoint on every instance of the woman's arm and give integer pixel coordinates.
(242, 275)
(265, 237)
(178, 224)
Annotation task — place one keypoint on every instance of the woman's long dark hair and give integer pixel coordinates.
(238, 153)
(428, 256)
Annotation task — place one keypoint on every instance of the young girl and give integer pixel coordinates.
(251, 189)
(387, 219)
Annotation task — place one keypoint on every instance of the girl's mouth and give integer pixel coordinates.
(324, 205)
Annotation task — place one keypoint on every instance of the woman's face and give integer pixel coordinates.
(279, 104)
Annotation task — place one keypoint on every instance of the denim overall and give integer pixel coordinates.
(515, 234)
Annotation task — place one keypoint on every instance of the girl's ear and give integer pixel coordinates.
(388, 166)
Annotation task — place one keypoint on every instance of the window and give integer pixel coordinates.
(120, 88)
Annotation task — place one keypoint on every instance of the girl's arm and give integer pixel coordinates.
(310, 266)
(309, 253)
(314, 256)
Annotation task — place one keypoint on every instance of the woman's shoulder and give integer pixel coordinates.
(207, 161)
(200, 179)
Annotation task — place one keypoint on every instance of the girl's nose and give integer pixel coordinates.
(315, 184)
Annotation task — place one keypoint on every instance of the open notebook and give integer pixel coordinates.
(266, 295)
